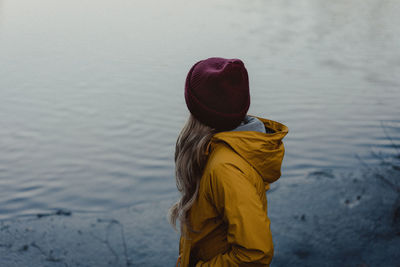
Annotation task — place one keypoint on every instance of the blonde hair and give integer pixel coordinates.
(190, 160)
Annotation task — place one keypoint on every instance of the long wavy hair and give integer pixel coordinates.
(190, 160)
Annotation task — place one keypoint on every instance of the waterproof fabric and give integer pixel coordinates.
(229, 221)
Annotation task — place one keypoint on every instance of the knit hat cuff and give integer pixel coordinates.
(214, 118)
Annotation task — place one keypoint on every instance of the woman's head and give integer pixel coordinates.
(217, 96)
(217, 92)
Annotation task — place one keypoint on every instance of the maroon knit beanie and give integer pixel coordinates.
(217, 92)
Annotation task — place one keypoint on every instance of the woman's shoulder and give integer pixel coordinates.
(223, 156)
(224, 166)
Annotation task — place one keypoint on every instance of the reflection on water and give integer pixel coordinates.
(91, 92)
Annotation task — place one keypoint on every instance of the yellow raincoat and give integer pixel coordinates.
(229, 221)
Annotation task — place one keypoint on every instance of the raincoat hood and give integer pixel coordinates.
(263, 151)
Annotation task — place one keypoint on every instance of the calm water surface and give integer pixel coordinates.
(91, 92)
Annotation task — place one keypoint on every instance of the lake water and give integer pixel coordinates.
(91, 92)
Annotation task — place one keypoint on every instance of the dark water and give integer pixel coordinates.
(91, 92)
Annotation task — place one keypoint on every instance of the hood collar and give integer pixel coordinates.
(263, 151)
(250, 123)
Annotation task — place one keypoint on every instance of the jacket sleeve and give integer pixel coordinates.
(248, 234)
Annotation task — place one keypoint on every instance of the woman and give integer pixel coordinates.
(225, 161)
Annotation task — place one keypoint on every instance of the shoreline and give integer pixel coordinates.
(326, 220)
